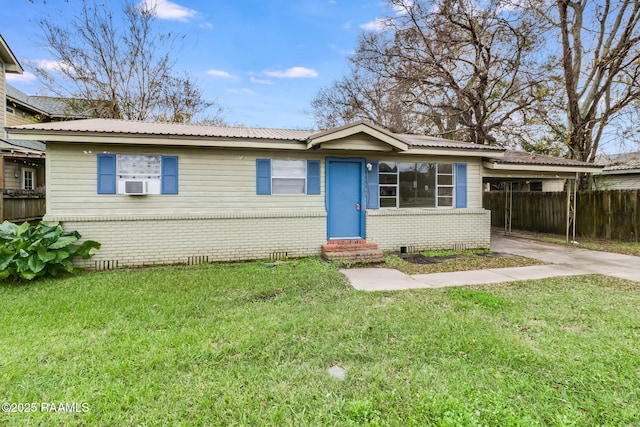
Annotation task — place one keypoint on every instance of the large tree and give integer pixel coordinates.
(120, 66)
(600, 61)
(445, 67)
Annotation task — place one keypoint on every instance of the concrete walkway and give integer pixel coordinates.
(563, 261)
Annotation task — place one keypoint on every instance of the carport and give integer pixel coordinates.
(517, 167)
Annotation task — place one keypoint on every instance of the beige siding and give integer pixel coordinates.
(618, 182)
(210, 181)
(18, 119)
(356, 142)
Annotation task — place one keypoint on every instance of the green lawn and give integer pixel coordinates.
(242, 344)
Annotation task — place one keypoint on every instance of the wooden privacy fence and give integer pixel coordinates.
(609, 214)
(22, 205)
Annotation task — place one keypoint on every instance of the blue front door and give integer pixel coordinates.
(345, 211)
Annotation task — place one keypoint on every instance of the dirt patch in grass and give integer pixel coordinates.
(470, 260)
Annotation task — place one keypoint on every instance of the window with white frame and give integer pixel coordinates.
(288, 176)
(416, 185)
(28, 179)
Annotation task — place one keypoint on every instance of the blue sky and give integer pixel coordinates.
(263, 60)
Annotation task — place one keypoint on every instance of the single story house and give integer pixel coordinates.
(167, 193)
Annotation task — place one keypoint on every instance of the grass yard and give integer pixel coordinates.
(241, 344)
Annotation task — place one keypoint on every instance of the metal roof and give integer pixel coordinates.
(432, 142)
(621, 162)
(128, 127)
(525, 158)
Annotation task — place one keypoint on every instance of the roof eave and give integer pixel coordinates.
(11, 64)
(540, 168)
(157, 140)
(447, 151)
(621, 171)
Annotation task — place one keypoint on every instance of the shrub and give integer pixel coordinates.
(45, 249)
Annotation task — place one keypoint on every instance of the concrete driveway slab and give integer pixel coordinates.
(563, 261)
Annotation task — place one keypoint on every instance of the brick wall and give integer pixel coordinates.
(422, 229)
(148, 241)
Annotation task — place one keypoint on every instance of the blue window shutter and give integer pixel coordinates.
(169, 179)
(461, 185)
(106, 174)
(263, 176)
(373, 200)
(313, 176)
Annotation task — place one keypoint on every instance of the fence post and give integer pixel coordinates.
(572, 188)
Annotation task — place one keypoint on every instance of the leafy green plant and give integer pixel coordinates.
(45, 249)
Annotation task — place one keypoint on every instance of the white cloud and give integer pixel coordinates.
(241, 91)
(168, 10)
(220, 73)
(379, 25)
(346, 25)
(261, 81)
(49, 65)
(293, 73)
(27, 77)
(206, 25)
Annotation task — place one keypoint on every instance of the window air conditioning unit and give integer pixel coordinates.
(136, 187)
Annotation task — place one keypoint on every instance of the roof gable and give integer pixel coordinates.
(11, 64)
(361, 136)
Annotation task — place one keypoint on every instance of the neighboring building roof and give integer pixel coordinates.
(22, 99)
(58, 108)
(21, 145)
(621, 163)
(63, 108)
(11, 64)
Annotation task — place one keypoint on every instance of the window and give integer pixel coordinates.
(416, 185)
(287, 176)
(535, 186)
(119, 174)
(11, 110)
(28, 179)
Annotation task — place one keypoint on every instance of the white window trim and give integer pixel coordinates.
(24, 178)
(285, 176)
(438, 186)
